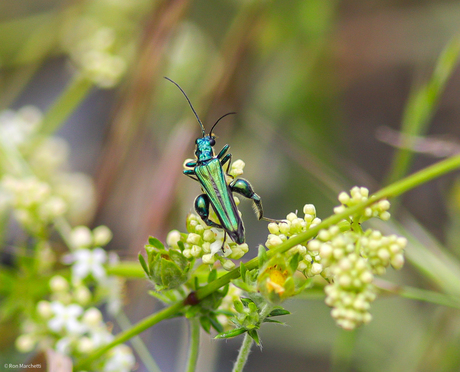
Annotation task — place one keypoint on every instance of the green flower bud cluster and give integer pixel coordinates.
(351, 292)
(166, 268)
(344, 255)
(279, 232)
(351, 257)
(383, 251)
(358, 195)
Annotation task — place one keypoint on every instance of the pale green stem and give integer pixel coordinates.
(243, 353)
(342, 352)
(194, 344)
(129, 270)
(138, 344)
(64, 106)
(245, 348)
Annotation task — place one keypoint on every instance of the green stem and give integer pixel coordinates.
(245, 348)
(67, 102)
(130, 270)
(130, 333)
(342, 352)
(194, 344)
(243, 353)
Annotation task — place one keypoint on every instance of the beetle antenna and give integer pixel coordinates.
(223, 116)
(190, 103)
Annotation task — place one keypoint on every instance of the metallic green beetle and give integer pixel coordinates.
(208, 171)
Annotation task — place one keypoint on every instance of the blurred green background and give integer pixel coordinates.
(313, 83)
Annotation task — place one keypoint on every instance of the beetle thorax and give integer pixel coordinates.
(204, 149)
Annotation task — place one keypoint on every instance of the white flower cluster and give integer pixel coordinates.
(88, 259)
(32, 202)
(38, 190)
(72, 330)
(310, 264)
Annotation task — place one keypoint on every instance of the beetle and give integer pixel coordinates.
(208, 170)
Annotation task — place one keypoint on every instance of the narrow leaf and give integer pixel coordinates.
(205, 323)
(229, 334)
(279, 312)
(212, 275)
(255, 336)
(156, 243)
(143, 264)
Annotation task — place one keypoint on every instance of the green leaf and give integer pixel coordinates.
(212, 275)
(294, 262)
(156, 243)
(144, 264)
(224, 312)
(255, 336)
(205, 323)
(159, 296)
(238, 306)
(229, 334)
(246, 301)
(268, 320)
(279, 311)
(181, 245)
(243, 271)
(215, 323)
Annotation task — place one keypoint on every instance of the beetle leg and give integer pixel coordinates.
(202, 208)
(223, 151)
(223, 241)
(227, 158)
(243, 187)
(190, 173)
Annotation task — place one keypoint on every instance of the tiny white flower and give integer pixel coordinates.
(81, 237)
(102, 235)
(65, 317)
(218, 242)
(88, 262)
(121, 360)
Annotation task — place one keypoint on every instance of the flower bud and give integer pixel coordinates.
(102, 236)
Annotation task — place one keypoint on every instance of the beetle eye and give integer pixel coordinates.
(212, 141)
